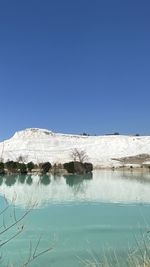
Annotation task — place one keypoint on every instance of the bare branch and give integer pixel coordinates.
(79, 155)
(34, 255)
(12, 237)
(15, 222)
(3, 211)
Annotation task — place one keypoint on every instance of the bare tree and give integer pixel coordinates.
(17, 225)
(79, 155)
(21, 159)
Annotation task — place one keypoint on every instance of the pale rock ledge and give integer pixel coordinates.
(41, 145)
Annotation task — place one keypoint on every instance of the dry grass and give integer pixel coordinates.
(132, 263)
(137, 258)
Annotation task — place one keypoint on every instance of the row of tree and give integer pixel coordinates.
(17, 167)
(78, 165)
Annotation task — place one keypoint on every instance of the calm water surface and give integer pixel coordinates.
(80, 217)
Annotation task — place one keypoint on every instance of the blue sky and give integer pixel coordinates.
(75, 66)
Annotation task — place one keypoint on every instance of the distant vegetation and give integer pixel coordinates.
(74, 167)
(30, 166)
(45, 167)
(1, 167)
(77, 167)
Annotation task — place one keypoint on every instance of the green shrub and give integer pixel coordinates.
(78, 167)
(30, 166)
(23, 168)
(11, 166)
(2, 168)
(88, 167)
(69, 166)
(45, 167)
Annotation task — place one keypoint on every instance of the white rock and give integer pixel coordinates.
(40, 145)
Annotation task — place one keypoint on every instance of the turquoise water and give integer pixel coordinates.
(79, 217)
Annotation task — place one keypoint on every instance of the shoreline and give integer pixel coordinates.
(123, 169)
(62, 172)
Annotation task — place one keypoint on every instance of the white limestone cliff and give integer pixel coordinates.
(40, 145)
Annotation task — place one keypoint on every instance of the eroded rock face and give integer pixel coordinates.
(136, 159)
(41, 145)
(32, 132)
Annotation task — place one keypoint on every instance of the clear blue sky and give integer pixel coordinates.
(75, 66)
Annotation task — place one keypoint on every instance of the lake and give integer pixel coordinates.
(98, 218)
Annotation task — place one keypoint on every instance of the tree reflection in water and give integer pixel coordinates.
(71, 180)
(78, 182)
(10, 180)
(45, 179)
(102, 186)
(74, 180)
(29, 179)
(1, 179)
(21, 178)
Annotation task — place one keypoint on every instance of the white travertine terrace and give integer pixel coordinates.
(40, 145)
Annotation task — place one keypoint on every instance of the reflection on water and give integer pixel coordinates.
(74, 180)
(101, 186)
(29, 180)
(75, 210)
(45, 179)
(10, 180)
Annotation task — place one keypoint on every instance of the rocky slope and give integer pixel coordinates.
(40, 145)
